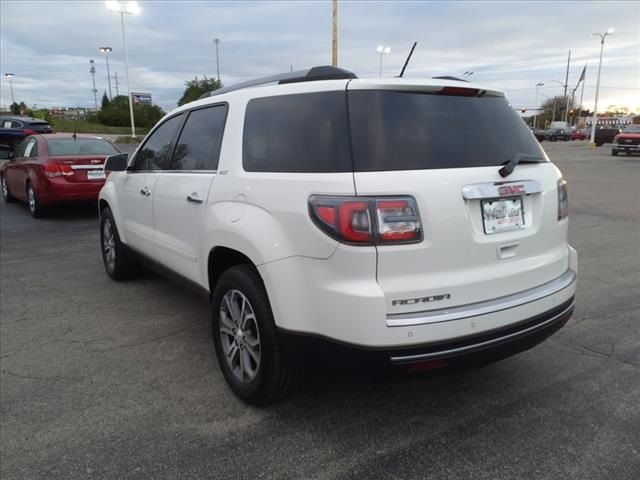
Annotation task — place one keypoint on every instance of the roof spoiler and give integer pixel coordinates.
(325, 72)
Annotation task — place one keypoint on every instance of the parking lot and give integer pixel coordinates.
(119, 380)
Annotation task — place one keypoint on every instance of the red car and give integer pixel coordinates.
(579, 135)
(55, 168)
(627, 141)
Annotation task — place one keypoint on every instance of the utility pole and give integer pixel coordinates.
(334, 44)
(9, 76)
(582, 93)
(116, 83)
(92, 70)
(217, 42)
(535, 117)
(566, 84)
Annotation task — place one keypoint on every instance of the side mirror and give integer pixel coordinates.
(6, 152)
(116, 163)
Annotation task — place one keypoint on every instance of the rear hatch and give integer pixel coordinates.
(483, 236)
(81, 159)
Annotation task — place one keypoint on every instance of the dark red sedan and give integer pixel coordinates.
(55, 168)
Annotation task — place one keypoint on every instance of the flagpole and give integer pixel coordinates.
(582, 92)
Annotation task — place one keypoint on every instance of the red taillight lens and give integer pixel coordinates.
(367, 220)
(459, 91)
(55, 170)
(28, 132)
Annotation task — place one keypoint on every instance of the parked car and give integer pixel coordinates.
(605, 135)
(555, 134)
(48, 169)
(372, 233)
(14, 128)
(579, 135)
(628, 141)
(540, 134)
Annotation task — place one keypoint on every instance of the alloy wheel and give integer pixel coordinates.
(109, 245)
(31, 194)
(239, 336)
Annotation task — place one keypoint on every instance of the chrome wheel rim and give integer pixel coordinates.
(109, 245)
(5, 190)
(239, 336)
(32, 199)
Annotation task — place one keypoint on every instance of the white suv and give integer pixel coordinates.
(416, 224)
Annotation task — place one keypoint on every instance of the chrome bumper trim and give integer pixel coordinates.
(482, 308)
(480, 345)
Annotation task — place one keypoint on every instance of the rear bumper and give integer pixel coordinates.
(58, 190)
(470, 351)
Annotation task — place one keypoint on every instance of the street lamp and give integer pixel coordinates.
(130, 8)
(382, 50)
(10, 76)
(107, 51)
(535, 117)
(602, 36)
(217, 42)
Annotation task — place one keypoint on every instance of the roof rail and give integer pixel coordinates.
(326, 72)
(448, 77)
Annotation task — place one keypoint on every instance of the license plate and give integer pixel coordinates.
(95, 174)
(502, 215)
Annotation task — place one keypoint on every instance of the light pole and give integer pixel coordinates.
(535, 117)
(10, 76)
(382, 50)
(92, 71)
(130, 8)
(217, 42)
(107, 51)
(602, 36)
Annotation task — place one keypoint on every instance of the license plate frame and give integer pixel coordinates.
(95, 175)
(494, 222)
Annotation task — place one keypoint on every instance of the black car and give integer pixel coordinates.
(605, 135)
(556, 134)
(14, 128)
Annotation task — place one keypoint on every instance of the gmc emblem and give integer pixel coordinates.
(510, 190)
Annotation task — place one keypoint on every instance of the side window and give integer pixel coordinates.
(199, 145)
(297, 133)
(155, 154)
(16, 124)
(20, 149)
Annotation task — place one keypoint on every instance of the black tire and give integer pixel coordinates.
(35, 208)
(6, 194)
(118, 263)
(599, 144)
(277, 372)
(614, 153)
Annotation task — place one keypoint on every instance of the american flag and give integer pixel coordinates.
(584, 71)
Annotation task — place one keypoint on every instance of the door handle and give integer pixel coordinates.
(145, 191)
(194, 198)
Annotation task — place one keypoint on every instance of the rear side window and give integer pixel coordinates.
(297, 133)
(198, 147)
(80, 146)
(39, 126)
(415, 131)
(155, 154)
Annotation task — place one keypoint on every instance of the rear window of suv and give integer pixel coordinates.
(413, 131)
(305, 133)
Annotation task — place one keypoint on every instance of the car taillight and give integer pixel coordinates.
(563, 200)
(28, 132)
(52, 170)
(367, 220)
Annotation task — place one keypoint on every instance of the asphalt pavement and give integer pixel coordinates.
(119, 380)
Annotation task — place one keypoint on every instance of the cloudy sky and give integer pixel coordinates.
(511, 45)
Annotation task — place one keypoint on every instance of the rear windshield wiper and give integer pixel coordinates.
(510, 165)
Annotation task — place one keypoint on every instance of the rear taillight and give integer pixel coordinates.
(563, 200)
(367, 220)
(28, 132)
(52, 170)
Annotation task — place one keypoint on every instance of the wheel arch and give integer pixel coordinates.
(220, 259)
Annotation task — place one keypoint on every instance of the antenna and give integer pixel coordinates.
(407, 60)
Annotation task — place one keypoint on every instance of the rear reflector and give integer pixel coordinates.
(367, 220)
(426, 366)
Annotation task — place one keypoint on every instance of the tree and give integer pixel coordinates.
(196, 87)
(105, 101)
(18, 108)
(117, 113)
